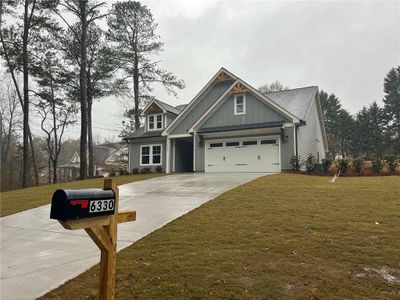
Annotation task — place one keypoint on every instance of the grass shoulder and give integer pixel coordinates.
(285, 236)
(23, 199)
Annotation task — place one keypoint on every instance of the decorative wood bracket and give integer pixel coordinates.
(239, 89)
(223, 77)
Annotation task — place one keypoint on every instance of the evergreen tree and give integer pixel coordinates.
(331, 108)
(132, 36)
(392, 106)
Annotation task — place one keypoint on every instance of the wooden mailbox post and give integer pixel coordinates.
(103, 231)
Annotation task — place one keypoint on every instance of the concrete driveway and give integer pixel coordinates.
(38, 255)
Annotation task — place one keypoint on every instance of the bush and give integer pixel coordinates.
(311, 163)
(295, 162)
(112, 173)
(377, 165)
(158, 169)
(343, 165)
(145, 170)
(391, 163)
(135, 171)
(123, 171)
(358, 164)
(326, 164)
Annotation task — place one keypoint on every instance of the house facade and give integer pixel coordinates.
(230, 127)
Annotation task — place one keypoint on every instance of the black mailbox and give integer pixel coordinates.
(83, 203)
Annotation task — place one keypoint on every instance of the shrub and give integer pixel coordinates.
(377, 165)
(358, 164)
(158, 169)
(343, 165)
(135, 171)
(391, 163)
(112, 173)
(123, 171)
(311, 163)
(326, 164)
(295, 163)
(145, 170)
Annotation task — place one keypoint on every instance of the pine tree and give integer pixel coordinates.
(132, 36)
(392, 105)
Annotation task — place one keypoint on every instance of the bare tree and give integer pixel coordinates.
(276, 86)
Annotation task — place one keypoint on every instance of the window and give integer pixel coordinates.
(232, 144)
(155, 122)
(150, 155)
(248, 143)
(216, 145)
(240, 104)
(268, 142)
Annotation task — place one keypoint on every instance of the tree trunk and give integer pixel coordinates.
(90, 131)
(136, 94)
(25, 162)
(136, 86)
(83, 91)
(33, 156)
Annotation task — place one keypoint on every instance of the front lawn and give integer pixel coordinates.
(279, 237)
(23, 199)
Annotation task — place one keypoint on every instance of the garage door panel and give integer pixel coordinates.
(257, 154)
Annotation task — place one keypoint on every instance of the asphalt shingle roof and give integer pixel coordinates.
(168, 107)
(296, 101)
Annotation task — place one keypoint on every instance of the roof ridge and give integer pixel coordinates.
(298, 88)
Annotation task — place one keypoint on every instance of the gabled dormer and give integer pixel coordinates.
(158, 115)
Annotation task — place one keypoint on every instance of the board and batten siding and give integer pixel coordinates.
(256, 112)
(201, 107)
(199, 154)
(287, 148)
(309, 136)
(134, 153)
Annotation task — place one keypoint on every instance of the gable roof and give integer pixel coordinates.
(164, 106)
(233, 77)
(297, 101)
(267, 101)
(194, 101)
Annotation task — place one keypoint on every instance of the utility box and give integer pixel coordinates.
(83, 203)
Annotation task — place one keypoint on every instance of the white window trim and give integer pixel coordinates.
(151, 155)
(244, 105)
(155, 122)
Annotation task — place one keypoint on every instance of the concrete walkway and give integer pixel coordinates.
(38, 255)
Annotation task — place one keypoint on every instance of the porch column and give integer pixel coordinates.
(167, 159)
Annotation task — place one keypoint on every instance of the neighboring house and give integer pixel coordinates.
(108, 158)
(230, 127)
(70, 170)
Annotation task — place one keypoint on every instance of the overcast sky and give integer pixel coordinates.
(343, 47)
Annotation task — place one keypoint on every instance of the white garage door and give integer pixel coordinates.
(257, 154)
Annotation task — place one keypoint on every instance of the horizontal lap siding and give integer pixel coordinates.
(310, 136)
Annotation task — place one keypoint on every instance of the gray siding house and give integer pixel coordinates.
(230, 127)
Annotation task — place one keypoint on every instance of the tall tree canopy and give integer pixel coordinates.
(135, 44)
(391, 102)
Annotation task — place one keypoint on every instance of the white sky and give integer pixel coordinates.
(343, 47)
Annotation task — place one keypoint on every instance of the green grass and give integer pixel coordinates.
(23, 199)
(279, 237)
